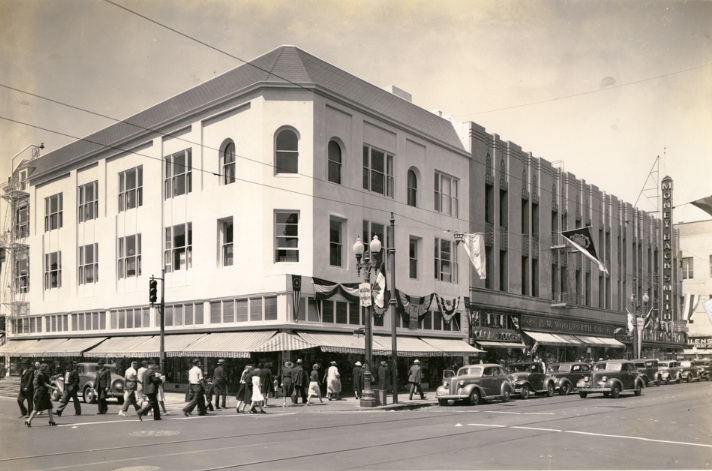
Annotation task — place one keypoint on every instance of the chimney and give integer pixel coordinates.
(400, 93)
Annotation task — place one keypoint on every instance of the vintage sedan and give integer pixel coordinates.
(704, 367)
(610, 378)
(648, 370)
(474, 384)
(689, 372)
(531, 378)
(87, 376)
(669, 371)
(567, 375)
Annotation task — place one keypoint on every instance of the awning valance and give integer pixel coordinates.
(13, 347)
(571, 339)
(452, 347)
(548, 339)
(337, 343)
(407, 347)
(73, 347)
(284, 342)
(174, 345)
(225, 344)
(39, 347)
(500, 344)
(116, 347)
(600, 342)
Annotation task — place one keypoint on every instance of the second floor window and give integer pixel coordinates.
(688, 265)
(53, 212)
(377, 171)
(129, 262)
(22, 222)
(227, 237)
(334, 162)
(287, 152)
(445, 261)
(446, 194)
(22, 273)
(131, 188)
(179, 168)
(88, 201)
(53, 270)
(412, 188)
(179, 247)
(335, 243)
(286, 235)
(413, 257)
(88, 264)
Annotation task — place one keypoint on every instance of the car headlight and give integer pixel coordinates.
(461, 383)
(586, 378)
(604, 378)
(445, 383)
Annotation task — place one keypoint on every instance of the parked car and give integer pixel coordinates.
(648, 370)
(611, 378)
(688, 372)
(531, 378)
(474, 384)
(704, 367)
(567, 375)
(669, 371)
(87, 375)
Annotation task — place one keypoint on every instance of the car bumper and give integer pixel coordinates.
(455, 397)
(594, 390)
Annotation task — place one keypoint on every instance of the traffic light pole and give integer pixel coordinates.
(163, 320)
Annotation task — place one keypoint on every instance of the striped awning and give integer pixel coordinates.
(225, 344)
(39, 347)
(451, 347)
(284, 342)
(13, 347)
(338, 343)
(548, 339)
(74, 347)
(173, 345)
(500, 344)
(115, 347)
(608, 342)
(572, 339)
(407, 347)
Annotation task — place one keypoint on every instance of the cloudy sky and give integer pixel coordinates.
(605, 86)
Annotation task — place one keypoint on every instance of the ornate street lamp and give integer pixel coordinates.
(369, 261)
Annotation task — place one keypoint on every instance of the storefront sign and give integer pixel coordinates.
(667, 301)
(701, 342)
(364, 290)
(504, 335)
(680, 326)
(547, 324)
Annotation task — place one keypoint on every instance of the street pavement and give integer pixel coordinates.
(668, 427)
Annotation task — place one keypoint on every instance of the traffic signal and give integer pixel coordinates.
(153, 291)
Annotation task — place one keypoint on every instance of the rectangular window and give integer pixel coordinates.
(53, 270)
(341, 312)
(255, 309)
(445, 261)
(327, 309)
(428, 321)
(371, 229)
(354, 310)
(525, 278)
(198, 313)
(535, 278)
(334, 243)
(377, 171)
(241, 310)
(216, 312)
(88, 201)
(179, 168)
(53, 212)
(312, 311)
(226, 240)
(413, 258)
(22, 272)
(446, 195)
(228, 310)
(503, 270)
(22, 222)
(489, 260)
(129, 263)
(286, 234)
(525, 217)
(688, 265)
(88, 271)
(503, 209)
(179, 247)
(131, 188)
(489, 204)
(271, 308)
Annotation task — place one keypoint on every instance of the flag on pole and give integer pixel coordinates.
(705, 204)
(475, 248)
(296, 295)
(381, 295)
(691, 301)
(583, 242)
(708, 308)
(648, 319)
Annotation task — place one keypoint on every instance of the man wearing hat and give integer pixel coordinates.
(299, 384)
(415, 377)
(197, 387)
(102, 386)
(26, 388)
(384, 376)
(151, 380)
(266, 379)
(220, 384)
(71, 387)
(358, 380)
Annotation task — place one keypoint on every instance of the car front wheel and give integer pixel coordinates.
(689, 378)
(549, 389)
(443, 402)
(639, 391)
(583, 395)
(524, 393)
(564, 389)
(474, 398)
(615, 392)
(89, 396)
(506, 396)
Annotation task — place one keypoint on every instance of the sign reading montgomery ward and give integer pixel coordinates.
(667, 299)
(554, 325)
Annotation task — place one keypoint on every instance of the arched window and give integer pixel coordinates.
(334, 162)
(287, 160)
(412, 188)
(228, 164)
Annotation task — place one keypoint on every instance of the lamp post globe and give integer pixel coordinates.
(375, 245)
(646, 298)
(358, 248)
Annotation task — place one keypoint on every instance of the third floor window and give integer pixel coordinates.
(377, 171)
(53, 212)
(688, 265)
(131, 188)
(88, 198)
(446, 194)
(179, 168)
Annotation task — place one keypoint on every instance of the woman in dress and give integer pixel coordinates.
(42, 400)
(242, 398)
(287, 384)
(314, 389)
(257, 397)
(333, 382)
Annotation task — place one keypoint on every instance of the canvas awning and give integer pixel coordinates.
(39, 347)
(116, 347)
(549, 339)
(284, 342)
(572, 339)
(174, 345)
(451, 347)
(13, 347)
(74, 347)
(407, 347)
(225, 344)
(500, 344)
(600, 341)
(337, 343)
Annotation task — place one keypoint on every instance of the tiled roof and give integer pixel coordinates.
(286, 62)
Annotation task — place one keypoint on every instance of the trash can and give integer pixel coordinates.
(381, 397)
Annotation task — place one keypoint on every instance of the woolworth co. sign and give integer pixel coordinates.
(565, 326)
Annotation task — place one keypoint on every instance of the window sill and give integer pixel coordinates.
(287, 175)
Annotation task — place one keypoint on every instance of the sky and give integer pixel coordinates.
(604, 86)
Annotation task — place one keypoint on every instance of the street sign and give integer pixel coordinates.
(364, 290)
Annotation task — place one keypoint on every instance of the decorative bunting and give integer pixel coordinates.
(413, 307)
(447, 308)
(691, 301)
(325, 289)
(296, 295)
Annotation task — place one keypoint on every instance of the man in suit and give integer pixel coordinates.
(298, 381)
(266, 379)
(220, 384)
(26, 389)
(384, 376)
(357, 376)
(102, 386)
(415, 378)
(150, 380)
(71, 387)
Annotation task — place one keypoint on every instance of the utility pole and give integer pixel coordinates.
(394, 311)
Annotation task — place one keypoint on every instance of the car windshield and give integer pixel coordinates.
(553, 369)
(520, 368)
(663, 364)
(608, 366)
(474, 371)
(685, 364)
(564, 368)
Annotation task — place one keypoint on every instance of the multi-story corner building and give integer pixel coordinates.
(696, 267)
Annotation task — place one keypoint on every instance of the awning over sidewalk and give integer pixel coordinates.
(13, 347)
(174, 345)
(500, 344)
(74, 347)
(39, 347)
(284, 342)
(116, 347)
(572, 339)
(224, 344)
(600, 342)
(451, 347)
(337, 343)
(549, 339)
(407, 347)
